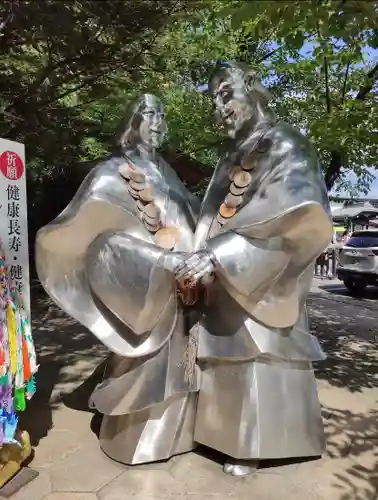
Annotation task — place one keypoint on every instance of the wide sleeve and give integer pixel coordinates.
(264, 250)
(65, 250)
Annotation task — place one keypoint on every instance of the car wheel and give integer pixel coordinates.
(354, 286)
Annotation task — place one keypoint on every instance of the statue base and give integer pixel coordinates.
(14, 474)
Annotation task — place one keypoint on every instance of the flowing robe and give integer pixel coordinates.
(258, 396)
(101, 265)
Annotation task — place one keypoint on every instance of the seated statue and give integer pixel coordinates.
(264, 220)
(108, 260)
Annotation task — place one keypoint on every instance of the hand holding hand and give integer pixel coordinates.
(198, 265)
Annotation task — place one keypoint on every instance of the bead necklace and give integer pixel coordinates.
(165, 237)
(240, 178)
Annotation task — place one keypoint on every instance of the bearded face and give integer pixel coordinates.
(233, 104)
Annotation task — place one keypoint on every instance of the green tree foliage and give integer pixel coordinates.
(68, 68)
(60, 66)
(322, 76)
(65, 66)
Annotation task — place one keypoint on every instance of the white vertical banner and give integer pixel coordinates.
(13, 216)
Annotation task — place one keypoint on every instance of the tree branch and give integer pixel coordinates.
(328, 95)
(87, 82)
(190, 171)
(51, 67)
(371, 78)
(337, 157)
(8, 18)
(333, 170)
(269, 54)
(345, 83)
(46, 71)
(325, 69)
(76, 106)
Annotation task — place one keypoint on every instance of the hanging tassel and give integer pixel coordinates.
(19, 380)
(30, 388)
(2, 356)
(25, 360)
(19, 399)
(2, 425)
(10, 427)
(6, 400)
(190, 356)
(30, 346)
(12, 340)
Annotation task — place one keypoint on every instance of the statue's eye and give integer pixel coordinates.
(226, 96)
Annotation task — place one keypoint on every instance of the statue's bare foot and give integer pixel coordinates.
(236, 467)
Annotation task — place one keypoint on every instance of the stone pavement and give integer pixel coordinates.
(72, 467)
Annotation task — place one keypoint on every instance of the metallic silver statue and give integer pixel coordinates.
(207, 322)
(264, 220)
(108, 260)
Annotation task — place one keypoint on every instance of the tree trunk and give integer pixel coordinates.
(190, 171)
(333, 170)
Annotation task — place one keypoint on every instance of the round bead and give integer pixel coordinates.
(167, 237)
(242, 179)
(146, 195)
(232, 201)
(133, 192)
(137, 176)
(137, 186)
(236, 191)
(151, 212)
(226, 212)
(233, 172)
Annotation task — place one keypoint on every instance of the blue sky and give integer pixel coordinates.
(373, 193)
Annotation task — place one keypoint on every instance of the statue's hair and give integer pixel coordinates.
(227, 69)
(133, 117)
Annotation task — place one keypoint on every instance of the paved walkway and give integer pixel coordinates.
(72, 467)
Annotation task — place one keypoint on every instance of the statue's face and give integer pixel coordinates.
(233, 103)
(152, 127)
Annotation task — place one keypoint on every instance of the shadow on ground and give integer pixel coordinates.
(354, 437)
(67, 355)
(348, 332)
(72, 363)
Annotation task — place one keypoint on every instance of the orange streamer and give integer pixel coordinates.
(25, 361)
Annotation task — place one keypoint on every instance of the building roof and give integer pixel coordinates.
(365, 209)
(354, 201)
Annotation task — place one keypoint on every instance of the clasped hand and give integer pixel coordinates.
(197, 266)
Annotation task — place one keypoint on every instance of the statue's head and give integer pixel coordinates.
(145, 123)
(239, 98)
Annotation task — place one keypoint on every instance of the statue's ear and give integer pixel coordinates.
(249, 81)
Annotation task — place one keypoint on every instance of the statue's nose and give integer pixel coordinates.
(218, 115)
(157, 121)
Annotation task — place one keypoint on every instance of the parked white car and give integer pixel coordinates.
(358, 261)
